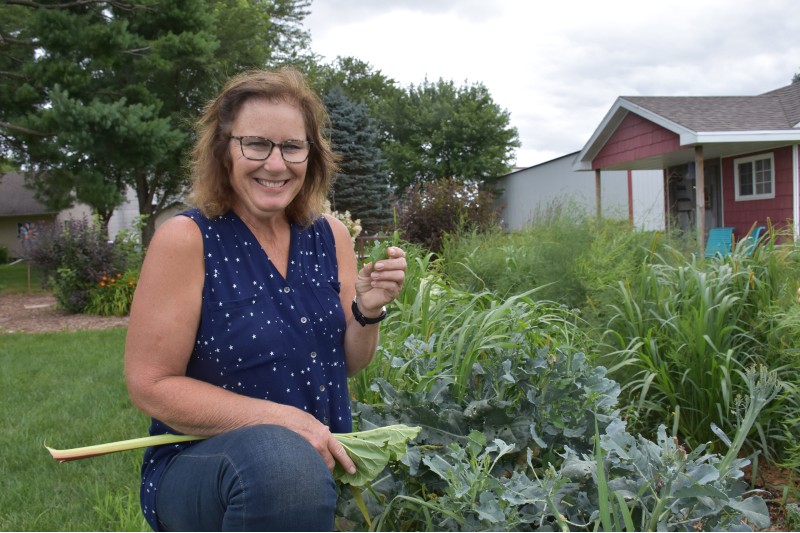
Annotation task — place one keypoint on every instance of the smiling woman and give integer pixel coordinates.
(242, 328)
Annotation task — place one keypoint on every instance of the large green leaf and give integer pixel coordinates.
(371, 451)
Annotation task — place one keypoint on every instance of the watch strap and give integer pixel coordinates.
(361, 319)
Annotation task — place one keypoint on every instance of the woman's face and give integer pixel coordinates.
(266, 188)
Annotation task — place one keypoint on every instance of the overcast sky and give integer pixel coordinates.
(557, 66)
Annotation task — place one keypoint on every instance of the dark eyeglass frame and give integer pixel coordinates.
(273, 144)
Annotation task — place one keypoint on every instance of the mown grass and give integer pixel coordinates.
(66, 390)
(16, 278)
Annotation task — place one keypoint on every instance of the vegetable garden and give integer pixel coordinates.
(581, 376)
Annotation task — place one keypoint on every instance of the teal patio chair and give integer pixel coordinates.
(750, 242)
(720, 241)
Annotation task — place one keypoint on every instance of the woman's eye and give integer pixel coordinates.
(257, 144)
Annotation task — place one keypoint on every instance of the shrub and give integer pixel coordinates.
(353, 226)
(429, 211)
(73, 259)
(4, 255)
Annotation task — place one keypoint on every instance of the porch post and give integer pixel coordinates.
(700, 196)
(665, 186)
(796, 192)
(597, 194)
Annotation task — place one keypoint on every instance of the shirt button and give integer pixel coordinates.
(287, 290)
(322, 388)
(313, 355)
(303, 319)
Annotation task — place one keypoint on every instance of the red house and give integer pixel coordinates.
(740, 151)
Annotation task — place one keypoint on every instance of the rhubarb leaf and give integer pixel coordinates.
(371, 451)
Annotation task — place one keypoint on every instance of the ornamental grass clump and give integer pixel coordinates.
(683, 331)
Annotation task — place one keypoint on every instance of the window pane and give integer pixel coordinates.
(763, 177)
(745, 179)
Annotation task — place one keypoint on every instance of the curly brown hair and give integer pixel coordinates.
(211, 161)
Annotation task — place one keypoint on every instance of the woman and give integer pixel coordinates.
(248, 318)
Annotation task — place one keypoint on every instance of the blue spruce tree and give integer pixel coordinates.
(362, 185)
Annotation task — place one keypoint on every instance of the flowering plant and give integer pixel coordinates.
(112, 295)
(353, 226)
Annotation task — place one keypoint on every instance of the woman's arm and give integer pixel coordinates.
(375, 285)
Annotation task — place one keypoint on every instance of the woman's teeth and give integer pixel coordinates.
(272, 184)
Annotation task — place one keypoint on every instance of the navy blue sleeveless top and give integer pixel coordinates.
(263, 335)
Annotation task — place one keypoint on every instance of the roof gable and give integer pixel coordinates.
(789, 98)
(18, 200)
(772, 117)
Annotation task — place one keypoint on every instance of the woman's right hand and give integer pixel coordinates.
(321, 438)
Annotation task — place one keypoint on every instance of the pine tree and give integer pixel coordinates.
(362, 185)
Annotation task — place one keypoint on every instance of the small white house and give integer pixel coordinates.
(635, 195)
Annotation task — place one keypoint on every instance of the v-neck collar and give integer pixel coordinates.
(290, 258)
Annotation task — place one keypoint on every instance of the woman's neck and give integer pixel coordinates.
(273, 235)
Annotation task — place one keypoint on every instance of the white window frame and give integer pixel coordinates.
(752, 159)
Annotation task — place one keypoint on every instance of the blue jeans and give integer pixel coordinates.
(257, 478)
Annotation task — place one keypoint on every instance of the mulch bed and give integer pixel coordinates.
(37, 313)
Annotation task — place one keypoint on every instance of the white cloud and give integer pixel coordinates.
(557, 67)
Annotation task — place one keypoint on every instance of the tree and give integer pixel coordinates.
(358, 80)
(438, 130)
(362, 185)
(101, 95)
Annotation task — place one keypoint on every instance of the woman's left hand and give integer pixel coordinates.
(378, 283)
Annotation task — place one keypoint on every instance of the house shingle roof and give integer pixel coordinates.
(771, 111)
(16, 199)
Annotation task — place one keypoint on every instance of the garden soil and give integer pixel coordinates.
(37, 313)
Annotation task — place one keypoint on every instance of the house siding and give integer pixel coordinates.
(742, 215)
(536, 191)
(634, 139)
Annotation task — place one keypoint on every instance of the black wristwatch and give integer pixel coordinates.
(361, 319)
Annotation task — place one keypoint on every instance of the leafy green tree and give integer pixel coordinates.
(358, 80)
(438, 130)
(362, 184)
(101, 95)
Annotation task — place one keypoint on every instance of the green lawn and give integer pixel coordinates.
(67, 390)
(15, 278)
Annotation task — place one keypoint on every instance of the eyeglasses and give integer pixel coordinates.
(259, 149)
